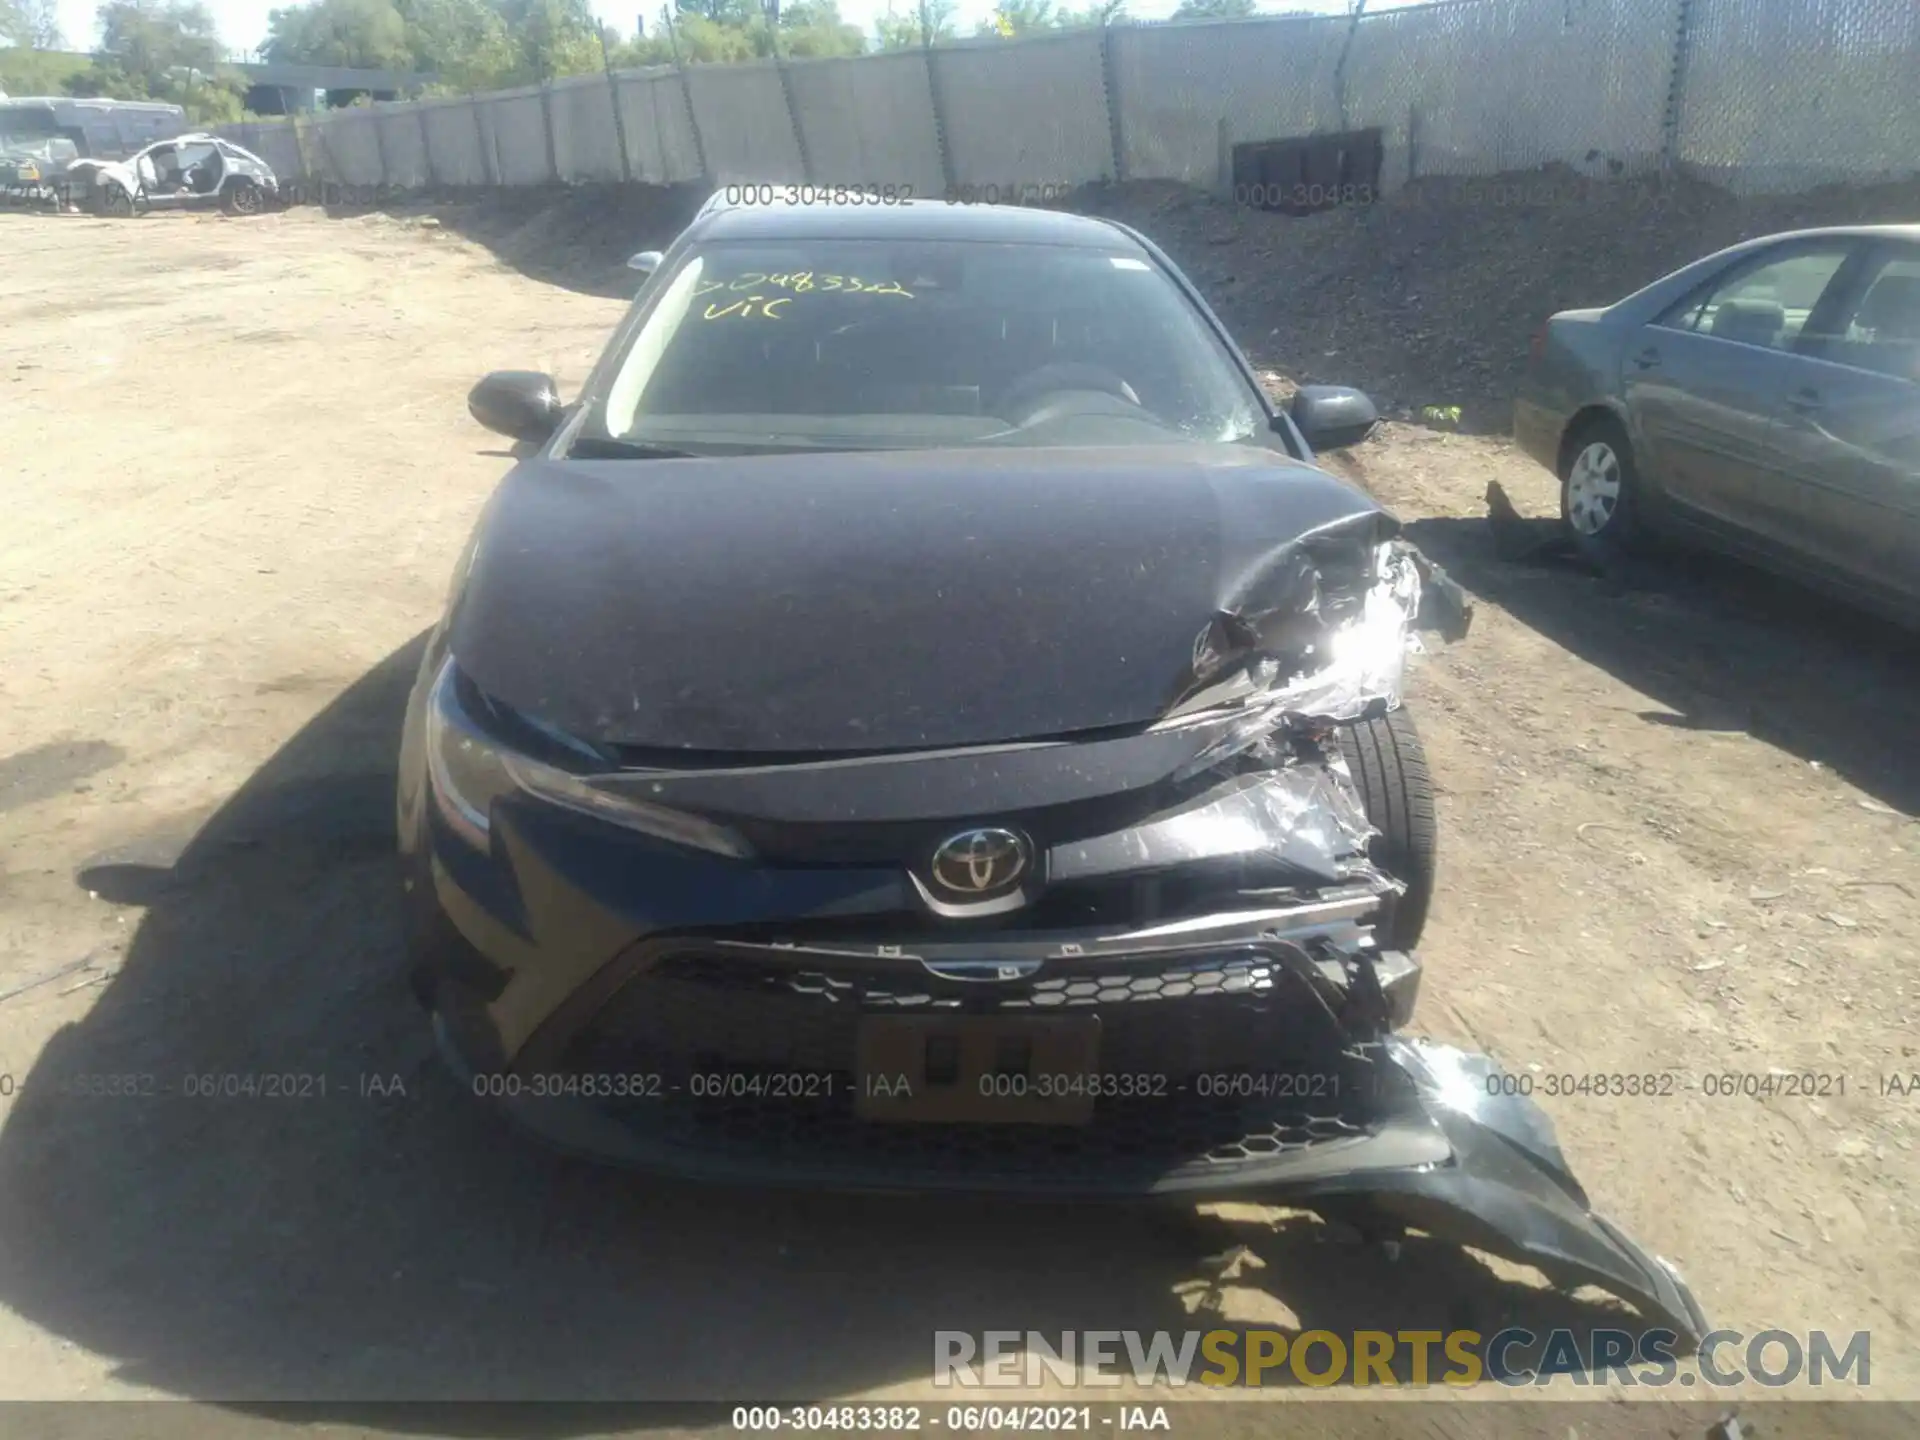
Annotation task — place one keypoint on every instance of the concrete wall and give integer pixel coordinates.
(1267, 79)
(744, 124)
(1758, 94)
(660, 134)
(869, 121)
(1032, 114)
(586, 141)
(403, 146)
(455, 142)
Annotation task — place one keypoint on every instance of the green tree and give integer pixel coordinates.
(553, 37)
(810, 29)
(813, 29)
(462, 42)
(354, 34)
(735, 13)
(472, 45)
(1012, 18)
(39, 72)
(923, 23)
(165, 50)
(30, 24)
(149, 39)
(467, 44)
(1101, 12)
(1214, 10)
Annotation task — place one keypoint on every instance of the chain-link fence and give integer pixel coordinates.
(1778, 96)
(1756, 94)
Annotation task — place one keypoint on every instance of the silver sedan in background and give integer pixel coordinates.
(1764, 401)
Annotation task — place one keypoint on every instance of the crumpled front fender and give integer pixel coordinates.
(1506, 1190)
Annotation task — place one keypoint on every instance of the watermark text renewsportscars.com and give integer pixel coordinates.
(1774, 1358)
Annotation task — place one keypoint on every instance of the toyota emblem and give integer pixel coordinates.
(980, 862)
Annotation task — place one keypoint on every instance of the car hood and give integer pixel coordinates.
(844, 603)
(118, 169)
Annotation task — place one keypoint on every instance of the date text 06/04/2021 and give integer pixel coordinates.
(275, 1085)
(1535, 1082)
(965, 1419)
(827, 1084)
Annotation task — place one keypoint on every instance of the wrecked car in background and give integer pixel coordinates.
(33, 172)
(918, 721)
(186, 172)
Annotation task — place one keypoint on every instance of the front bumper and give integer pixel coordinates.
(1537, 430)
(1443, 1151)
(597, 984)
(1366, 1128)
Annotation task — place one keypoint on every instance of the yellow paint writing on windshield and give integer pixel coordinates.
(803, 282)
(747, 309)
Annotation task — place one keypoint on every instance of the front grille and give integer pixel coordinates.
(1251, 973)
(691, 1012)
(1251, 1064)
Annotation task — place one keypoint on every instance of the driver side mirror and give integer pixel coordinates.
(520, 404)
(1332, 417)
(646, 262)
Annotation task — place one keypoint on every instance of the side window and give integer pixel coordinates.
(1765, 304)
(1881, 329)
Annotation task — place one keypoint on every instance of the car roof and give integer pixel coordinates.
(813, 219)
(1842, 232)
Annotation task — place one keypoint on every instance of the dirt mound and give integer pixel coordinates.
(1430, 296)
(1427, 297)
(579, 237)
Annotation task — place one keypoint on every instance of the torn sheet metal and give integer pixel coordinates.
(1508, 1190)
(1364, 661)
(1308, 816)
(1503, 1186)
(1330, 640)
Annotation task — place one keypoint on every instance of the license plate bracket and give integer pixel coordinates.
(978, 1069)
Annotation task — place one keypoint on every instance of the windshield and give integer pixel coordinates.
(868, 344)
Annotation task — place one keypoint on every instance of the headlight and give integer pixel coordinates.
(465, 773)
(468, 770)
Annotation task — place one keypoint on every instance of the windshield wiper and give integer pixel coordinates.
(605, 447)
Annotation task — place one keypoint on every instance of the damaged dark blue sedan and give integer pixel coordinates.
(919, 720)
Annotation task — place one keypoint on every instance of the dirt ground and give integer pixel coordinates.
(237, 469)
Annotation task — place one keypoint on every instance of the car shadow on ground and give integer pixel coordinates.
(389, 1239)
(1723, 647)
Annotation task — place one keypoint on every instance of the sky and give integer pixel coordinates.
(243, 23)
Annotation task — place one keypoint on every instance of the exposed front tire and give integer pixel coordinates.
(1600, 492)
(1390, 766)
(243, 198)
(114, 203)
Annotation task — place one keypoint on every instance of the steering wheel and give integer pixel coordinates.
(1018, 402)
